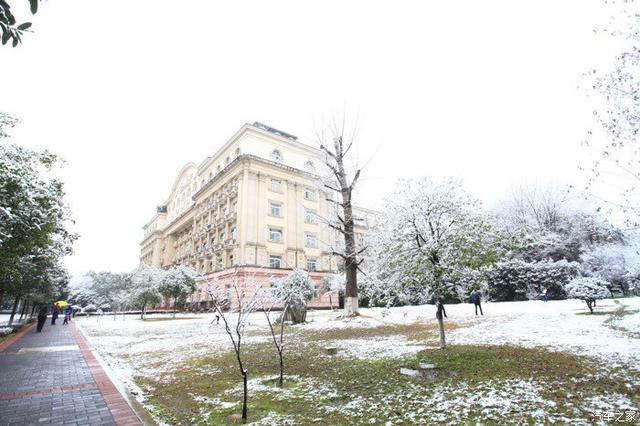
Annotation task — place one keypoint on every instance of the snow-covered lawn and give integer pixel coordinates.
(162, 359)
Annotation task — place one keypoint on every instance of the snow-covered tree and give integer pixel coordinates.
(588, 289)
(334, 285)
(336, 146)
(430, 230)
(34, 220)
(294, 291)
(146, 287)
(613, 263)
(242, 299)
(613, 173)
(178, 283)
(516, 279)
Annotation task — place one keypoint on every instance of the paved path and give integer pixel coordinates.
(53, 378)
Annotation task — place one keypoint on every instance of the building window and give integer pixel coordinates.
(275, 235)
(275, 261)
(309, 194)
(276, 185)
(227, 161)
(210, 175)
(275, 209)
(218, 169)
(311, 265)
(276, 156)
(309, 167)
(309, 216)
(311, 240)
(238, 152)
(234, 234)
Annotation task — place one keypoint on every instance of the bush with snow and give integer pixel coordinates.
(294, 291)
(89, 308)
(517, 279)
(5, 331)
(588, 289)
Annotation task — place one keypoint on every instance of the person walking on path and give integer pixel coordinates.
(68, 310)
(544, 294)
(42, 317)
(475, 299)
(55, 314)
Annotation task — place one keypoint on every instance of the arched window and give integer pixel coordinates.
(218, 169)
(210, 175)
(238, 152)
(276, 156)
(309, 167)
(227, 161)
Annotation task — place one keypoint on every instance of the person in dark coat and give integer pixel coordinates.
(475, 299)
(42, 317)
(55, 314)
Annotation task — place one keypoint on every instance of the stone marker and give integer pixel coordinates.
(331, 350)
(428, 366)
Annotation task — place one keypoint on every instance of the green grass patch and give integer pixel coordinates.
(595, 313)
(322, 389)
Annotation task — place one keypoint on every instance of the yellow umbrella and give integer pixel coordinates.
(61, 303)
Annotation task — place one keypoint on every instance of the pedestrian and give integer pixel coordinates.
(475, 299)
(68, 310)
(42, 317)
(55, 313)
(544, 294)
(216, 319)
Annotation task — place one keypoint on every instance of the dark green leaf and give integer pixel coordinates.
(24, 26)
(5, 37)
(34, 5)
(15, 41)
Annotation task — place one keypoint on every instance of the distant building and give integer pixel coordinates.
(253, 209)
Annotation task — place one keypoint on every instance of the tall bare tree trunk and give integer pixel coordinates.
(15, 308)
(350, 262)
(440, 314)
(23, 310)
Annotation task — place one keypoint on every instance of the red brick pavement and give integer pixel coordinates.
(14, 395)
(120, 409)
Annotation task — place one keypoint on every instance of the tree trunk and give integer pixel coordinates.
(589, 305)
(281, 366)
(350, 261)
(33, 309)
(244, 399)
(175, 300)
(13, 311)
(23, 310)
(142, 311)
(440, 314)
(330, 302)
(1, 295)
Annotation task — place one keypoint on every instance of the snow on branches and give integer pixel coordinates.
(588, 289)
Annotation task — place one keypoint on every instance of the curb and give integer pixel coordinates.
(120, 409)
(11, 340)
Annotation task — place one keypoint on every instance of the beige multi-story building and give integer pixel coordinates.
(255, 208)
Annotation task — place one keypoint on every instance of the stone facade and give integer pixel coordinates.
(255, 207)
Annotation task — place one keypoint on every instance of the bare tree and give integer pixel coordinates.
(246, 302)
(336, 152)
(278, 340)
(613, 174)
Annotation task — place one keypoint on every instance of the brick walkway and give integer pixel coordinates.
(53, 378)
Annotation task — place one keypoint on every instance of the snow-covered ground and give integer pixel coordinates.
(147, 348)
(553, 325)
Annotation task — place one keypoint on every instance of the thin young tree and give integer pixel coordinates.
(293, 290)
(336, 145)
(243, 299)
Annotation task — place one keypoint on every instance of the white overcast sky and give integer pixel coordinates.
(128, 91)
